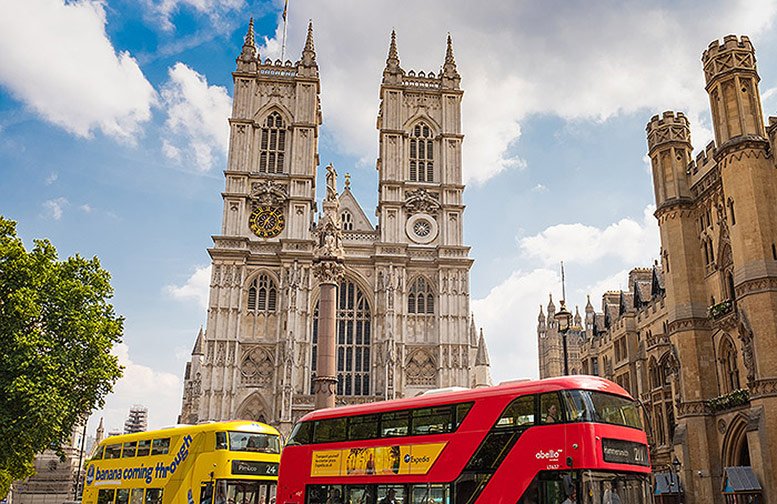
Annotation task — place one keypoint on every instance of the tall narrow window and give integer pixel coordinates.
(421, 154)
(420, 299)
(729, 371)
(272, 144)
(262, 294)
(354, 336)
(731, 211)
(347, 219)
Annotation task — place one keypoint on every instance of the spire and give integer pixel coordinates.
(98, 436)
(481, 359)
(348, 181)
(473, 331)
(248, 56)
(577, 316)
(450, 75)
(551, 306)
(197, 350)
(393, 72)
(588, 306)
(541, 316)
(309, 52)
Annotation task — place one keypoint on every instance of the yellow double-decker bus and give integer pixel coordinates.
(213, 463)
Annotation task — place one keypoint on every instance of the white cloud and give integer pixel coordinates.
(196, 118)
(54, 208)
(539, 188)
(214, 9)
(509, 312)
(589, 61)
(627, 240)
(508, 315)
(58, 60)
(196, 287)
(51, 178)
(159, 391)
(86, 208)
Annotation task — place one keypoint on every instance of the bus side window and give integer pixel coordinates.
(106, 496)
(221, 440)
(327, 431)
(98, 452)
(122, 496)
(129, 449)
(519, 413)
(432, 420)
(395, 423)
(137, 496)
(550, 408)
(154, 496)
(461, 412)
(363, 427)
(160, 447)
(113, 451)
(144, 447)
(206, 492)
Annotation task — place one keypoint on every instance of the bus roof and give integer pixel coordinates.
(177, 430)
(514, 387)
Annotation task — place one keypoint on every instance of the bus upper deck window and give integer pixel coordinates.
(221, 440)
(160, 446)
(144, 447)
(129, 449)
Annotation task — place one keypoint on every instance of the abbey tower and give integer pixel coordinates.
(694, 336)
(403, 319)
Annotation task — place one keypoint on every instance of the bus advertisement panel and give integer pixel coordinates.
(564, 440)
(212, 463)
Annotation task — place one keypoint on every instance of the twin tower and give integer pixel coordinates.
(718, 220)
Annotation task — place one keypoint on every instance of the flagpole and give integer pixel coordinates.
(285, 16)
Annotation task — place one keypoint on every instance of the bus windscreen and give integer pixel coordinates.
(590, 406)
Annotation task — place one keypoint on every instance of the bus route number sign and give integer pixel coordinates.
(251, 468)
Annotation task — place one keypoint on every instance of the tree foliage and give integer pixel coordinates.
(57, 329)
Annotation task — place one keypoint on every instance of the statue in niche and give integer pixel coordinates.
(331, 183)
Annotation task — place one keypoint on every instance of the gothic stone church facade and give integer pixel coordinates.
(403, 319)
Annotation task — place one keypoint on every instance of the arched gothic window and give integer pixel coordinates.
(262, 294)
(421, 154)
(420, 299)
(347, 219)
(729, 370)
(354, 335)
(272, 144)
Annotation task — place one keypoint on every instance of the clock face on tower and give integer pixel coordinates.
(267, 222)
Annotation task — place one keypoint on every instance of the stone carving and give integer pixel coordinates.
(422, 201)
(746, 337)
(331, 183)
(268, 193)
(329, 272)
(330, 228)
(421, 369)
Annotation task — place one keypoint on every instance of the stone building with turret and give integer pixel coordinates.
(694, 336)
(403, 320)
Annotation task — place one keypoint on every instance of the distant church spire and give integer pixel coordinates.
(250, 40)
(481, 359)
(393, 72)
(450, 74)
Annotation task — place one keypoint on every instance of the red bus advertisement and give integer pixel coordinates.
(576, 439)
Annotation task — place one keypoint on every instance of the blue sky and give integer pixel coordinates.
(113, 136)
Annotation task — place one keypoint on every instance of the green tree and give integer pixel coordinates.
(56, 334)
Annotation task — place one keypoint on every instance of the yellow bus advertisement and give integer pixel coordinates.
(212, 463)
(380, 460)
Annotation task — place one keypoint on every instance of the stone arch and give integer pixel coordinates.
(736, 451)
(727, 365)
(251, 288)
(255, 408)
(257, 367)
(269, 108)
(425, 118)
(653, 373)
(421, 369)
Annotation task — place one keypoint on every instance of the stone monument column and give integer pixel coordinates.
(329, 271)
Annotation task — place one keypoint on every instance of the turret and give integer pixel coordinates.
(541, 321)
(551, 307)
(248, 58)
(669, 148)
(732, 85)
(450, 75)
(393, 73)
(482, 364)
(307, 65)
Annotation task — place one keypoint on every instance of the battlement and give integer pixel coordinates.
(421, 79)
(278, 68)
(730, 43)
(704, 160)
(669, 127)
(734, 54)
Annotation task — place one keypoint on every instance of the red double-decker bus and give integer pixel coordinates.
(576, 439)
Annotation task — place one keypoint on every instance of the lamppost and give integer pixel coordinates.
(564, 321)
(676, 476)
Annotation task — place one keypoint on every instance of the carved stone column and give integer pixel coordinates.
(329, 271)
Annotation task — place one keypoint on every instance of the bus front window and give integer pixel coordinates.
(254, 442)
(587, 487)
